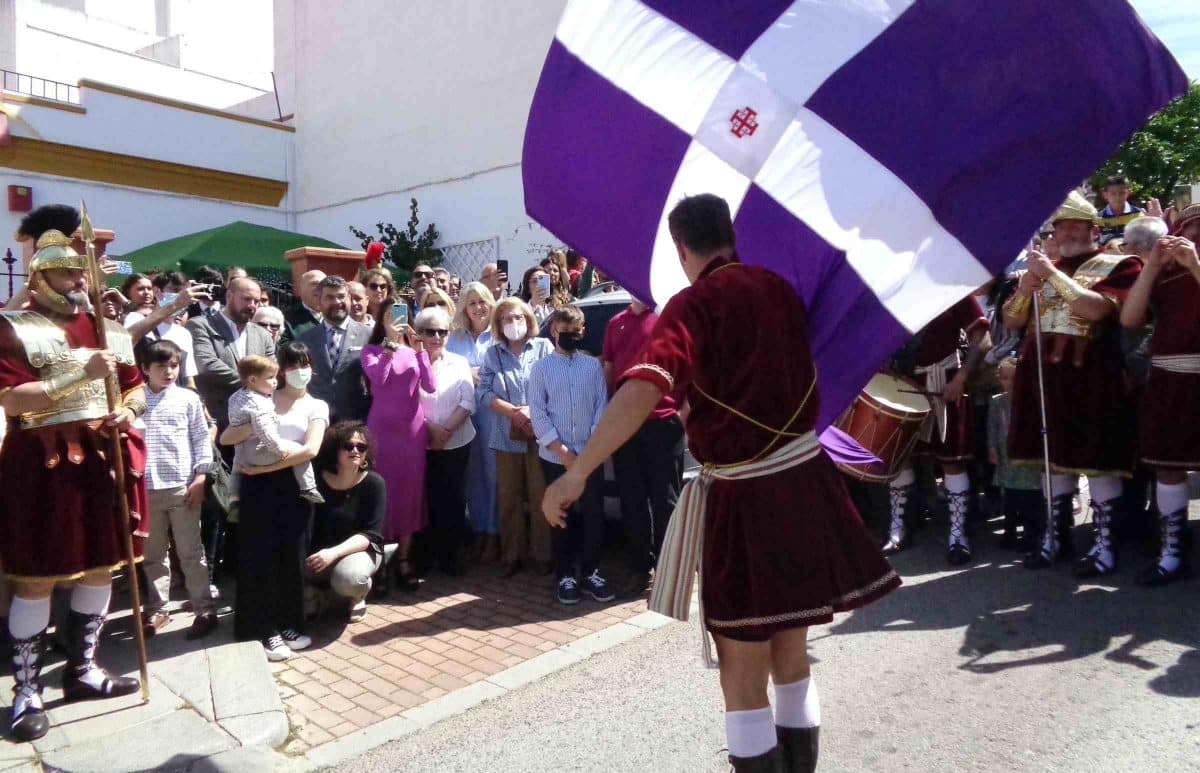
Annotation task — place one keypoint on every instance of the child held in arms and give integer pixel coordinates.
(252, 404)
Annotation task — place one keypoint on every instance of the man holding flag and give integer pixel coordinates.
(781, 546)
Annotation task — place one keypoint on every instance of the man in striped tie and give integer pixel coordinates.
(780, 544)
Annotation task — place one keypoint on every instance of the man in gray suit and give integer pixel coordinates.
(221, 340)
(335, 346)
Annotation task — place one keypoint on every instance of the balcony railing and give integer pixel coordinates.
(19, 83)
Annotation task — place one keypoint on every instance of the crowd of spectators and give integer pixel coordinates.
(368, 437)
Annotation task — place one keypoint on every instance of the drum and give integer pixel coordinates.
(886, 420)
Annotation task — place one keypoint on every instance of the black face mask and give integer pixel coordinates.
(570, 341)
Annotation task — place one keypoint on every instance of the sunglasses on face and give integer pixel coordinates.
(380, 286)
(423, 274)
(272, 325)
(431, 333)
(352, 447)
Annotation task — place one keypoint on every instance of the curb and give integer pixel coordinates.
(457, 702)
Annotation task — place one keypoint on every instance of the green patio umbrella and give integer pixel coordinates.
(256, 248)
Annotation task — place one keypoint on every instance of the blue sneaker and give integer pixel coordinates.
(597, 588)
(568, 591)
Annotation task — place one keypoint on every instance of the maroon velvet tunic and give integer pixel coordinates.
(61, 522)
(1169, 415)
(940, 339)
(782, 551)
(1089, 412)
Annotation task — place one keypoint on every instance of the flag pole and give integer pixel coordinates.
(116, 452)
(1037, 332)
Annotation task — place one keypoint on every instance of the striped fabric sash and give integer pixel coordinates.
(683, 544)
(935, 385)
(1177, 363)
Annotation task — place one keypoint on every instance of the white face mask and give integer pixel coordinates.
(515, 331)
(298, 378)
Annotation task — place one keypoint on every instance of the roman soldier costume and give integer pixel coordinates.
(1089, 419)
(58, 517)
(933, 358)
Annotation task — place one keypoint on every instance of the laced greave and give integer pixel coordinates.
(1102, 546)
(898, 496)
(957, 504)
(1170, 557)
(27, 673)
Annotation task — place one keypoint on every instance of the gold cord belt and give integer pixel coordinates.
(779, 434)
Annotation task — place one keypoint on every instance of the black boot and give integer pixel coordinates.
(1054, 544)
(29, 720)
(1102, 558)
(899, 530)
(771, 762)
(800, 746)
(83, 638)
(1173, 562)
(959, 551)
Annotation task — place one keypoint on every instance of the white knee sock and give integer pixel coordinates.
(91, 599)
(28, 617)
(1104, 488)
(797, 704)
(750, 733)
(1171, 497)
(906, 478)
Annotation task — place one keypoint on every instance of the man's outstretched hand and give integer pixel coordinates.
(560, 495)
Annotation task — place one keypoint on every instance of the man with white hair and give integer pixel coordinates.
(1169, 418)
(305, 313)
(1090, 421)
(271, 318)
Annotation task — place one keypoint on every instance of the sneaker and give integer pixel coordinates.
(568, 591)
(295, 640)
(358, 611)
(312, 495)
(597, 588)
(276, 648)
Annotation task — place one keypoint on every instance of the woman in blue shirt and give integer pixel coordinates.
(503, 383)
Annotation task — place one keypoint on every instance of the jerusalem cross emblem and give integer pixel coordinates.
(743, 123)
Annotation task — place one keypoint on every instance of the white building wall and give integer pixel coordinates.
(225, 49)
(424, 99)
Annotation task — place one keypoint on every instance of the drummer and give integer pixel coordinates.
(935, 358)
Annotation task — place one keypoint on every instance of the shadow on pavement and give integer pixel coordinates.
(1013, 617)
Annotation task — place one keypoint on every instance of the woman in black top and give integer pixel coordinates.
(347, 544)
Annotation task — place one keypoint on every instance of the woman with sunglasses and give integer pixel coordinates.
(271, 318)
(398, 370)
(347, 540)
(448, 412)
(435, 297)
(380, 291)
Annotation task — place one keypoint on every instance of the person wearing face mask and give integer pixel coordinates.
(398, 370)
(274, 517)
(503, 383)
(567, 396)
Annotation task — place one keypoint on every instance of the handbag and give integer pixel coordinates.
(516, 434)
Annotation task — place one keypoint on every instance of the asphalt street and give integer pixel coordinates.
(989, 668)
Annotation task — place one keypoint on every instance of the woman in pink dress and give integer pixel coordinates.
(397, 367)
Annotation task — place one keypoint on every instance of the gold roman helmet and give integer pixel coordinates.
(1076, 207)
(54, 250)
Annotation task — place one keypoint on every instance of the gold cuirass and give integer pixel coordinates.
(1056, 312)
(48, 352)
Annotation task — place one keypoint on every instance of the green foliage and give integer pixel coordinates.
(405, 249)
(1165, 153)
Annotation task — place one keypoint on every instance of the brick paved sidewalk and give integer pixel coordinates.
(414, 647)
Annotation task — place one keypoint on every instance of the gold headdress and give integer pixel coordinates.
(1076, 207)
(54, 250)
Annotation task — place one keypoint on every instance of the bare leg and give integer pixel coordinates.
(749, 724)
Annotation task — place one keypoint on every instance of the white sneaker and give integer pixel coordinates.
(358, 611)
(295, 640)
(276, 648)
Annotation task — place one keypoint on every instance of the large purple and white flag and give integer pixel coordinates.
(887, 156)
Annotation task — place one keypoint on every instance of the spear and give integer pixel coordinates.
(116, 449)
